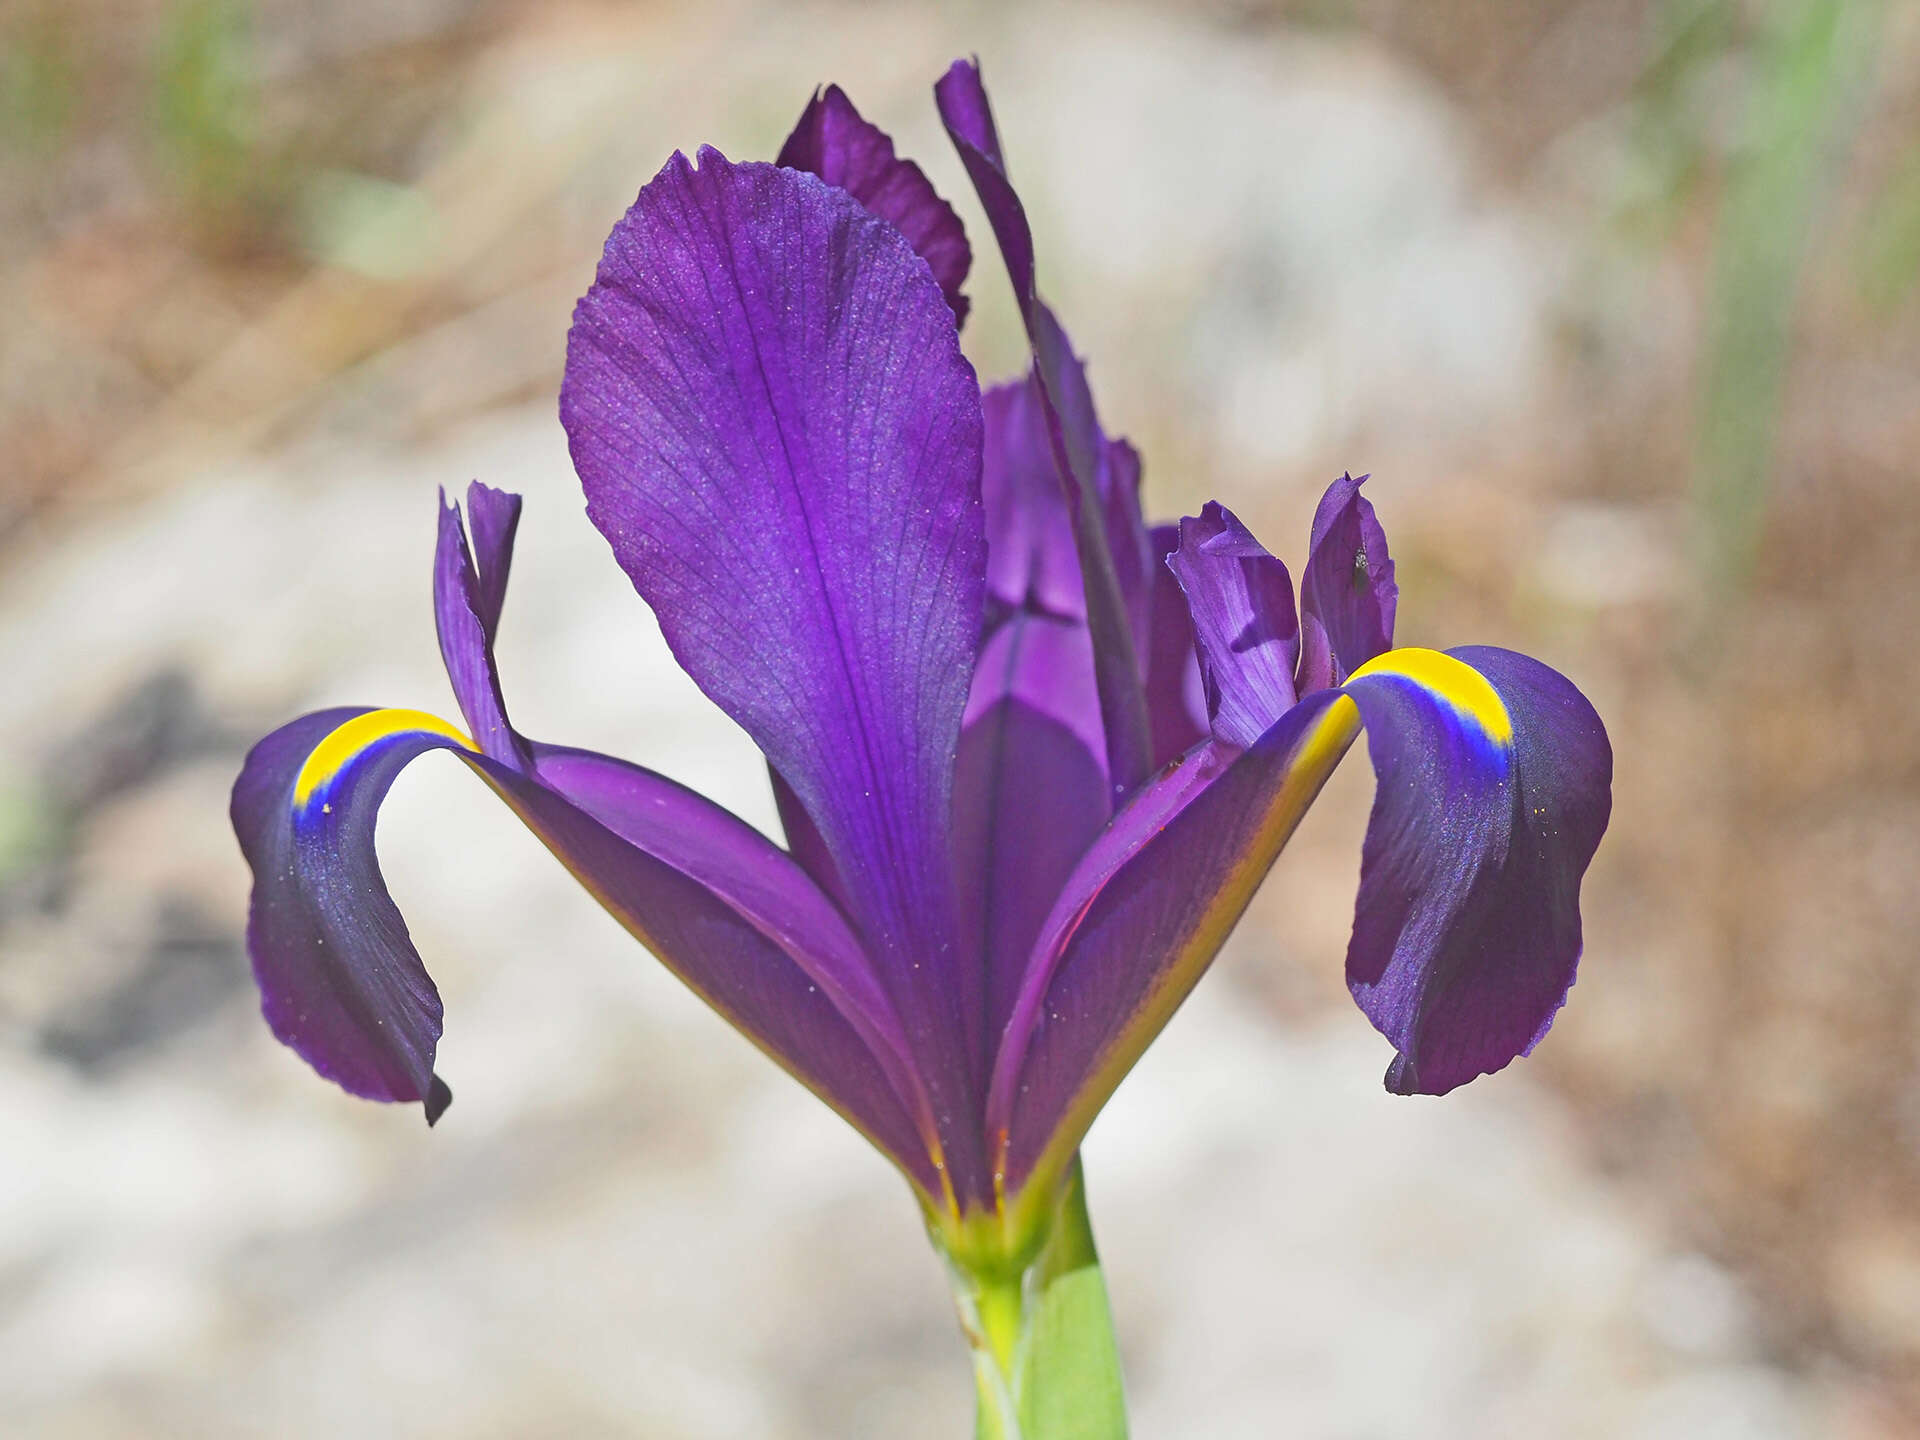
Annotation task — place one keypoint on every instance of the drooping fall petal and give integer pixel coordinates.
(723, 907)
(1493, 789)
(1493, 776)
(777, 434)
(341, 983)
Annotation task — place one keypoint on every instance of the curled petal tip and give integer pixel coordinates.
(439, 1097)
(1398, 1077)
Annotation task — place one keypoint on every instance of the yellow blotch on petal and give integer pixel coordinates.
(346, 742)
(1463, 688)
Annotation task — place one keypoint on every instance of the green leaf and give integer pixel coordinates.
(1070, 1363)
(1810, 77)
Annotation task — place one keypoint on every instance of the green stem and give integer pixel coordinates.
(1045, 1363)
(992, 1313)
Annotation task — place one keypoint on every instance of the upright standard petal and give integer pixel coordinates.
(467, 600)
(1316, 658)
(1494, 778)
(1241, 602)
(778, 436)
(1176, 695)
(1033, 557)
(1127, 538)
(1031, 789)
(1073, 431)
(1101, 480)
(962, 98)
(1032, 563)
(836, 143)
(1348, 587)
(1030, 794)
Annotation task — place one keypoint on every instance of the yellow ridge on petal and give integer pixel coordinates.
(349, 740)
(1462, 687)
(1318, 750)
(1308, 766)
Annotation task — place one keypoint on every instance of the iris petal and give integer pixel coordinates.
(342, 984)
(338, 978)
(1137, 923)
(968, 116)
(1030, 794)
(1031, 558)
(1248, 635)
(1081, 453)
(1493, 790)
(1348, 586)
(1031, 788)
(1176, 697)
(1316, 657)
(467, 600)
(1493, 775)
(727, 910)
(778, 436)
(833, 141)
(494, 516)
(1118, 487)
(804, 841)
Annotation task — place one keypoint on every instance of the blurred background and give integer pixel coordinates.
(1615, 298)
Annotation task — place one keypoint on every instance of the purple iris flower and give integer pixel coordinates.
(1032, 757)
